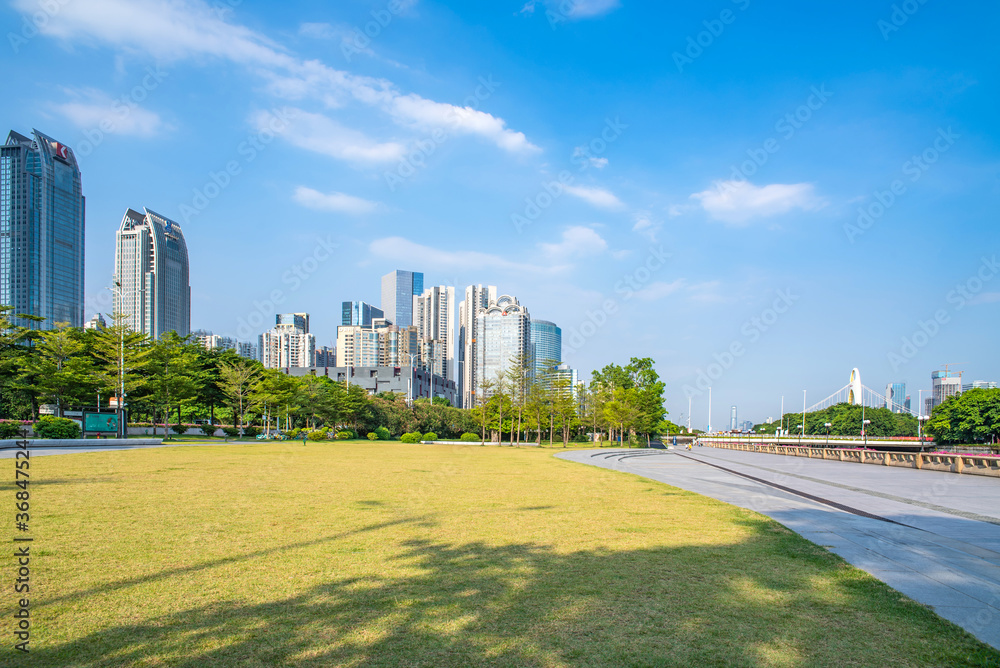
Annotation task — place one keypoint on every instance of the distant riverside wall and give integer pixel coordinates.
(965, 464)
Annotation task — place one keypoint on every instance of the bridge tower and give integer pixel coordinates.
(855, 393)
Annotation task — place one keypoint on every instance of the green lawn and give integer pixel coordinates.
(360, 554)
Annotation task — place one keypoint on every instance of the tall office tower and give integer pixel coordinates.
(41, 230)
(895, 397)
(732, 419)
(398, 289)
(293, 321)
(979, 385)
(546, 343)
(476, 297)
(359, 313)
(289, 344)
(505, 334)
(151, 274)
(945, 384)
(434, 318)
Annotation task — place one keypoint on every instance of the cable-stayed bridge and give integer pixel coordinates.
(860, 395)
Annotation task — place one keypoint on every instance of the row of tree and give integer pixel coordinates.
(845, 420)
(970, 417)
(620, 403)
(175, 380)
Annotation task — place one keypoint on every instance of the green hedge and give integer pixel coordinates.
(49, 426)
(208, 429)
(317, 435)
(383, 434)
(179, 428)
(413, 437)
(430, 436)
(345, 435)
(10, 429)
(468, 436)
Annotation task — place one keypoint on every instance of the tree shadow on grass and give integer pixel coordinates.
(772, 599)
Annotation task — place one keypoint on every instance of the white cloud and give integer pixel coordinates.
(334, 202)
(529, 7)
(586, 9)
(94, 109)
(398, 248)
(598, 197)
(646, 227)
(318, 30)
(581, 155)
(659, 289)
(197, 30)
(739, 202)
(317, 133)
(576, 241)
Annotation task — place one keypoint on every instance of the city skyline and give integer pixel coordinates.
(692, 200)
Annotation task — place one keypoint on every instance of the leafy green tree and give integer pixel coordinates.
(173, 368)
(237, 380)
(59, 369)
(121, 356)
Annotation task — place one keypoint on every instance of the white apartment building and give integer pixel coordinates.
(434, 319)
(476, 297)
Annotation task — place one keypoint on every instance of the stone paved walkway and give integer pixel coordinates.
(931, 535)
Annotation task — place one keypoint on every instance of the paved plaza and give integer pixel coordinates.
(931, 535)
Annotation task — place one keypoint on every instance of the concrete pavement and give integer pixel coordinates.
(931, 535)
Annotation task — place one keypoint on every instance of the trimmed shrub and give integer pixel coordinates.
(208, 429)
(345, 435)
(10, 429)
(383, 434)
(179, 428)
(430, 436)
(317, 435)
(251, 432)
(231, 432)
(410, 438)
(294, 433)
(49, 426)
(469, 436)
(372, 436)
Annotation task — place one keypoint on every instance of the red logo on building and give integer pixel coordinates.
(60, 150)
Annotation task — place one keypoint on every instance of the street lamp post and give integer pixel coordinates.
(828, 425)
(802, 428)
(120, 409)
(864, 430)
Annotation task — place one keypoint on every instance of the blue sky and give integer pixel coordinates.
(759, 195)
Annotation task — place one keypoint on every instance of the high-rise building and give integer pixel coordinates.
(210, 341)
(563, 375)
(434, 318)
(505, 335)
(97, 322)
(289, 344)
(41, 230)
(546, 344)
(945, 384)
(359, 313)
(895, 397)
(733, 422)
(326, 356)
(151, 275)
(476, 297)
(398, 290)
(979, 385)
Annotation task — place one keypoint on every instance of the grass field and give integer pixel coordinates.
(360, 554)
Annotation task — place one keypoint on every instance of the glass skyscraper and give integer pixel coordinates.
(41, 230)
(151, 274)
(398, 290)
(359, 314)
(546, 342)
